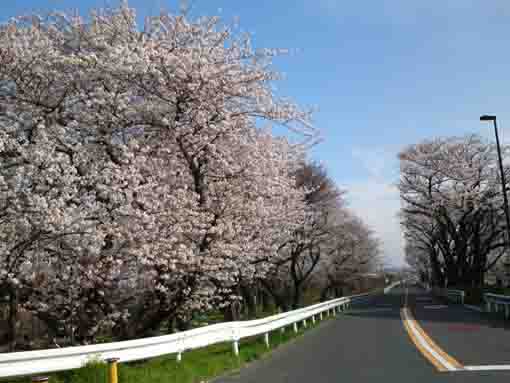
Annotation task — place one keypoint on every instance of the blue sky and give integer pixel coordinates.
(383, 74)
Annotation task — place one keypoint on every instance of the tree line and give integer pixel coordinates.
(141, 182)
(452, 212)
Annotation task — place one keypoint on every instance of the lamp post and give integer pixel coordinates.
(503, 186)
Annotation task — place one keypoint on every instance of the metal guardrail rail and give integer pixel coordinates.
(493, 302)
(52, 360)
(394, 284)
(497, 300)
(456, 296)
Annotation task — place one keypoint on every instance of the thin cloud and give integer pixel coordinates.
(376, 199)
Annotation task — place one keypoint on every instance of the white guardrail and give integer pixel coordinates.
(52, 360)
(493, 302)
(497, 300)
(394, 284)
(456, 296)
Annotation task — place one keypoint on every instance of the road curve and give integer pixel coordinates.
(368, 343)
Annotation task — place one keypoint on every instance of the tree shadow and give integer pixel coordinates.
(426, 308)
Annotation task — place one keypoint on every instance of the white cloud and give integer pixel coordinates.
(376, 199)
(378, 205)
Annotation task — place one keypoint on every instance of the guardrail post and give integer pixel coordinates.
(304, 323)
(507, 311)
(40, 379)
(282, 330)
(313, 319)
(488, 307)
(320, 315)
(295, 327)
(235, 342)
(462, 297)
(235, 347)
(266, 339)
(112, 370)
(181, 349)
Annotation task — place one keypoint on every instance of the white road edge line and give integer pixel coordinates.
(488, 368)
(426, 346)
(439, 358)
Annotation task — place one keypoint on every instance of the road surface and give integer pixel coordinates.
(404, 336)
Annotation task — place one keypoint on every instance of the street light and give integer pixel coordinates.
(503, 182)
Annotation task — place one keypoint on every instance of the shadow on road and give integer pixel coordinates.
(428, 307)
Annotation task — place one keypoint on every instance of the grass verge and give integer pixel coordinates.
(196, 365)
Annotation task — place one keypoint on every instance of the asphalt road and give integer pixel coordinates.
(369, 343)
(473, 338)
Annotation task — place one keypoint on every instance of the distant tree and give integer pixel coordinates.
(452, 207)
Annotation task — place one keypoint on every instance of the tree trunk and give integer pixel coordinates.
(148, 324)
(13, 319)
(265, 299)
(249, 299)
(181, 324)
(452, 275)
(171, 325)
(227, 314)
(297, 296)
(230, 313)
(437, 275)
(324, 293)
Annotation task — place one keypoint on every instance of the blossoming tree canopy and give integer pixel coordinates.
(132, 169)
(453, 207)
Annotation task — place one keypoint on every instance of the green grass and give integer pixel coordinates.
(196, 365)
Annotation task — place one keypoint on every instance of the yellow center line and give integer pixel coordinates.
(418, 345)
(433, 344)
(415, 331)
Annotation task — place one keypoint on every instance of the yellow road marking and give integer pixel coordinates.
(418, 345)
(433, 344)
(407, 318)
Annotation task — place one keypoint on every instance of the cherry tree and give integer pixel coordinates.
(302, 252)
(355, 250)
(450, 189)
(134, 155)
